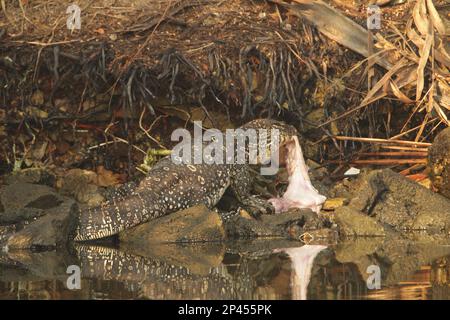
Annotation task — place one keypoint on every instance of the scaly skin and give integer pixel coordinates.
(169, 188)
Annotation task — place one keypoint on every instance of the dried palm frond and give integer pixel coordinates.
(416, 63)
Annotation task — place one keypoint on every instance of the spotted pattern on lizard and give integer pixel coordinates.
(171, 187)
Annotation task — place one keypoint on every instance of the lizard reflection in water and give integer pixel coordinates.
(157, 279)
(249, 277)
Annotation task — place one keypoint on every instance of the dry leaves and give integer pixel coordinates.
(428, 72)
(424, 78)
(106, 178)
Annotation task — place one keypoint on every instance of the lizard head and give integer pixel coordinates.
(285, 131)
(300, 192)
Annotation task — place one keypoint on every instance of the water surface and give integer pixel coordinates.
(262, 269)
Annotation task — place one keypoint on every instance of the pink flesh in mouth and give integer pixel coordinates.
(300, 193)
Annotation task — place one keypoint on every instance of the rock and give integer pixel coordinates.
(400, 203)
(239, 227)
(304, 219)
(26, 265)
(354, 223)
(316, 170)
(334, 203)
(329, 234)
(23, 201)
(81, 185)
(53, 230)
(106, 178)
(89, 195)
(291, 225)
(196, 224)
(32, 175)
(439, 162)
(5, 232)
(311, 150)
(431, 222)
(20, 215)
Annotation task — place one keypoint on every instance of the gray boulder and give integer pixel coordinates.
(196, 224)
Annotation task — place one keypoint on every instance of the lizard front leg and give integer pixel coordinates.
(241, 185)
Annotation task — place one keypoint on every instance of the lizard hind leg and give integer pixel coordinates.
(242, 188)
(257, 206)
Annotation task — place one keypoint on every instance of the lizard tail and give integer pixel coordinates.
(111, 217)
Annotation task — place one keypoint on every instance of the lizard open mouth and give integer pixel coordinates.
(300, 192)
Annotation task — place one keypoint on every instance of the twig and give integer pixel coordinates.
(386, 141)
(47, 44)
(416, 166)
(405, 148)
(411, 130)
(394, 153)
(118, 139)
(146, 131)
(380, 161)
(2, 2)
